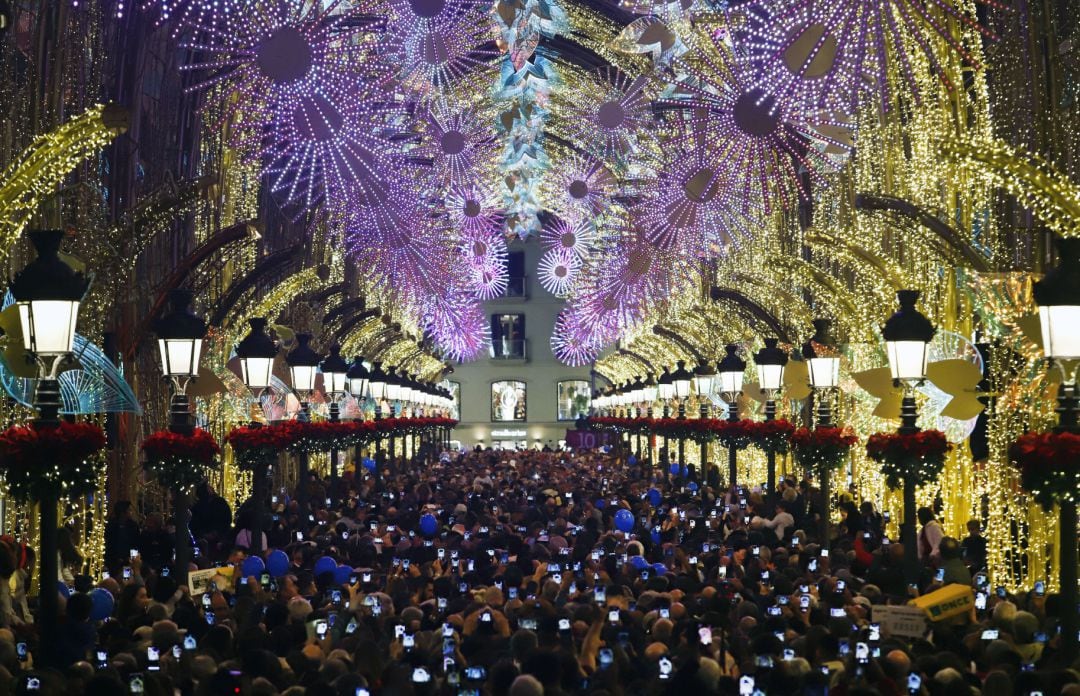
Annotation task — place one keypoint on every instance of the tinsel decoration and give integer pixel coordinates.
(1048, 466)
(49, 463)
(772, 435)
(920, 455)
(178, 461)
(822, 449)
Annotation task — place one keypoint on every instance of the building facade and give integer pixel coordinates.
(519, 395)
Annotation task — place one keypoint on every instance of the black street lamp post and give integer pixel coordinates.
(729, 373)
(303, 364)
(180, 338)
(823, 360)
(256, 353)
(48, 293)
(770, 362)
(907, 335)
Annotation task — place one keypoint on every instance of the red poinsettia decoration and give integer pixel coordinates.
(822, 449)
(177, 460)
(40, 463)
(255, 445)
(920, 455)
(1049, 465)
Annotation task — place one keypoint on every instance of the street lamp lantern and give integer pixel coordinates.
(180, 339)
(256, 352)
(334, 369)
(303, 364)
(681, 379)
(357, 377)
(393, 386)
(377, 383)
(47, 293)
(730, 371)
(822, 356)
(907, 335)
(1058, 297)
(665, 388)
(650, 390)
(704, 378)
(770, 362)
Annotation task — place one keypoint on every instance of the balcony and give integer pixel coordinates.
(509, 350)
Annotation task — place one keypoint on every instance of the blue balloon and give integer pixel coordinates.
(659, 568)
(253, 566)
(342, 574)
(624, 520)
(692, 486)
(101, 604)
(429, 525)
(655, 497)
(600, 503)
(63, 589)
(639, 562)
(632, 459)
(655, 535)
(674, 468)
(368, 463)
(325, 565)
(277, 563)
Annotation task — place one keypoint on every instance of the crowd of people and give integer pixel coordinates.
(527, 574)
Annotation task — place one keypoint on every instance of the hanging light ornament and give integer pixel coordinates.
(571, 344)
(581, 186)
(270, 55)
(459, 144)
(573, 235)
(828, 55)
(609, 116)
(557, 271)
(200, 12)
(474, 209)
(760, 143)
(437, 43)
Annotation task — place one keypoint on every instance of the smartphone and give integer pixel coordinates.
(841, 585)
(440, 603)
(408, 641)
(665, 613)
(135, 684)
(21, 651)
(746, 685)
(132, 553)
(837, 612)
(804, 602)
(127, 572)
(914, 684)
(299, 536)
(420, 675)
(189, 642)
(980, 601)
(774, 611)
(755, 550)
(153, 659)
(875, 632)
(1040, 588)
(666, 668)
(789, 654)
(206, 600)
(441, 553)
(601, 595)
(939, 575)
(705, 635)
(209, 618)
(564, 624)
(613, 616)
(335, 596)
(607, 656)
(990, 634)
(862, 653)
(812, 565)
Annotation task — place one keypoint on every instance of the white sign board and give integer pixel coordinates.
(906, 621)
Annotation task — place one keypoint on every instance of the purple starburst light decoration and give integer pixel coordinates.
(610, 115)
(458, 326)
(570, 343)
(436, 43)
(457, 143)
(474, 208)
(829, 54)
(684, 210)
(484, 253)
(558, 270)
(756, 143)
(575, 236)
(317, 150)
(198, 12)
(271, 55)
(582, 186)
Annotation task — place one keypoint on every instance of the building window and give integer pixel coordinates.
(455, 399)
(515, 272)
(574, 397)
(508, 401)
(508, 336)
